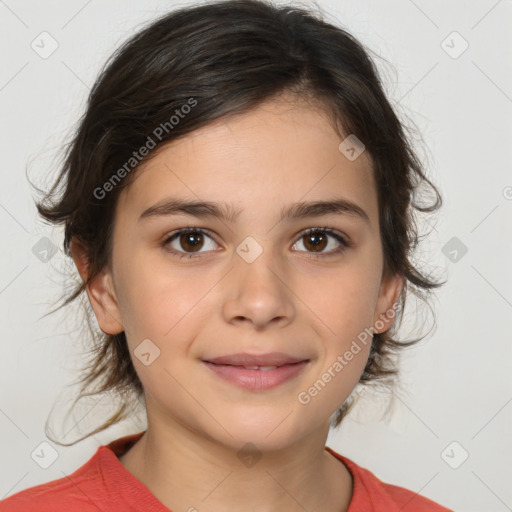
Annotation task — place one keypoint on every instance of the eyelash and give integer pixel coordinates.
(344, 244)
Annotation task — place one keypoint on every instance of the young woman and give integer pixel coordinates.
(238, 201)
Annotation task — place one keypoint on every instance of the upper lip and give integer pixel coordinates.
(243, 359)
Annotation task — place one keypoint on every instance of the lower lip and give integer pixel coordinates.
(257, 380)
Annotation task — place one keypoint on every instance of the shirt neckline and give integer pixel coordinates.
(136, 494)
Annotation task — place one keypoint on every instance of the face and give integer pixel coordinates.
(204, 310)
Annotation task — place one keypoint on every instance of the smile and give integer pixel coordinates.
(255, 377)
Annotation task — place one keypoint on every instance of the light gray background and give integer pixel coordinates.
(456, 385)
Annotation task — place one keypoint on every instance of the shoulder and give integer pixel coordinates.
(372, 494)
(81, 490)
(100, 484)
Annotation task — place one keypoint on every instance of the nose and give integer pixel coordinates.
(258, 293)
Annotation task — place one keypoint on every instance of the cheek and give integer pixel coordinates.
(342, 299)
(343, 304)
(345, 313)
(166, 310)
(153, 300)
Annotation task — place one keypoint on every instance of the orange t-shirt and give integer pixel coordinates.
(102, 484)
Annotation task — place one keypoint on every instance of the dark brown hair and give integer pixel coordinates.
(223, 59)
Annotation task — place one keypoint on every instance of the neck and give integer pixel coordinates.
(189, 472)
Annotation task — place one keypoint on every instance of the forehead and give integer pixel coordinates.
(279, 153)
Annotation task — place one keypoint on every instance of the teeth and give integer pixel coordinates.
(264, 368)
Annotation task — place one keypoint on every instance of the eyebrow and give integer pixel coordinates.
(226, 212)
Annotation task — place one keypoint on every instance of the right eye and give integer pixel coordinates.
(191, 240)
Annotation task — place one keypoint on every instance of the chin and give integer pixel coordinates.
(270, 431)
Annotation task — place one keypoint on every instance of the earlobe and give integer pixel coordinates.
(386, 310)
(100, 290)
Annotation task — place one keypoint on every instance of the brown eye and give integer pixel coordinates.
(316, 240)
(189, 242)
(192, 241)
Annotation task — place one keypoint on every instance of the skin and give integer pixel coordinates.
(216, 303)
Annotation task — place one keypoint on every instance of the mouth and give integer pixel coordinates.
(250, 361)
(257, 372)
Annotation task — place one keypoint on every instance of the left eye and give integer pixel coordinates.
(317, 239)
(188, 242)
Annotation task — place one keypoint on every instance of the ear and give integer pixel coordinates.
(100, 291)
(386, 308)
